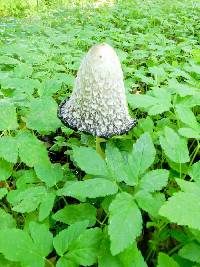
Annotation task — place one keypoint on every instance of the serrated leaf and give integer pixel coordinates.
(165, 261)
(150, 203)
(7, 220)
(187, 201)
(46, 205)
(26, 200)
(189, 133)
(5, 169)
(125, 222)
(8, 116)
(154, 180)
(194, 171)
(31, 150)
(187, 116)
(141, 157)
(74, 213)
(117, 171)
(174, 146)
(43, 115)
(16, 245)
(64, 239)
(85, 249)
(92, 188)
(42, 238)
(190, 252)
(89, 161)
(49, 173)
(8, 144)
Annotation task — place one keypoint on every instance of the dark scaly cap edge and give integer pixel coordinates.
(67, 124)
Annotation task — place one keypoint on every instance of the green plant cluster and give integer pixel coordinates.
(61, 204)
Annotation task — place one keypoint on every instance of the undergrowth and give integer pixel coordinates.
(61, 203)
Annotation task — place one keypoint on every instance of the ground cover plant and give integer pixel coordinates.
(61, 203)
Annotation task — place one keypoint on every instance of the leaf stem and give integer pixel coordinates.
(98, 147)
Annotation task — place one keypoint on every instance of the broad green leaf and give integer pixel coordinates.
(42, 238)
(26, 200)
(25, 178)
(187, 116)
(3, 192)
(125, 222)
(189, 202)
(66, 237)
(17, 245)
(182, 89)
(190, 252)
(132, 257)
(154, 180)
(117, 171)
(64, 261)
(6, 263)
(174, 146)
(141, 157)
(8, 116)
(189, 133)
(43, 115)
(85, 250)
(74, 213)
(150, 203)
(46, 205)
(165, 261)
(89, 161)
(194, 171)
(31, 150)
(8, 144)
(8, 60)
(92, 188)
(141, 101)
(5, 169)
(49, 173)
(7, 220)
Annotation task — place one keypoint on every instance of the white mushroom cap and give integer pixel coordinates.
(98, 103)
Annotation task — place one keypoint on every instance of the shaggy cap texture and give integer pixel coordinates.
(98, 103)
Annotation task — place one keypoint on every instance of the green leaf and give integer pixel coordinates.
(174, 146)
(46, 205)
(7, 220)
(43, 115)
(165, 261)
(3, 192)
(26, 200)
(89, 161)
(66, 237)
(5, 169)
(64, 261)
(31, 150)
(187, 116)
(150, 203)
(141, 157)
(8, 144)
(8, 116)
(125, 222)
(92, 188)
(194, 171)
(85, 249)
(16, 245)
(189, 202)
(75, 213)
(190, 252)
(154, 180)
(42, 238)
(118, 171)
(49, 173)
(5, 263)
(189, 133)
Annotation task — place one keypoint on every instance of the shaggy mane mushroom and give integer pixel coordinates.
(98, 103)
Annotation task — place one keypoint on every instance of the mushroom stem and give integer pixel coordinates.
(98, 146)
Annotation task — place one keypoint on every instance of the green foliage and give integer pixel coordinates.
(61, 203)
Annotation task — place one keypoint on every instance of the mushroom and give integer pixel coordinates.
(98, 103)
